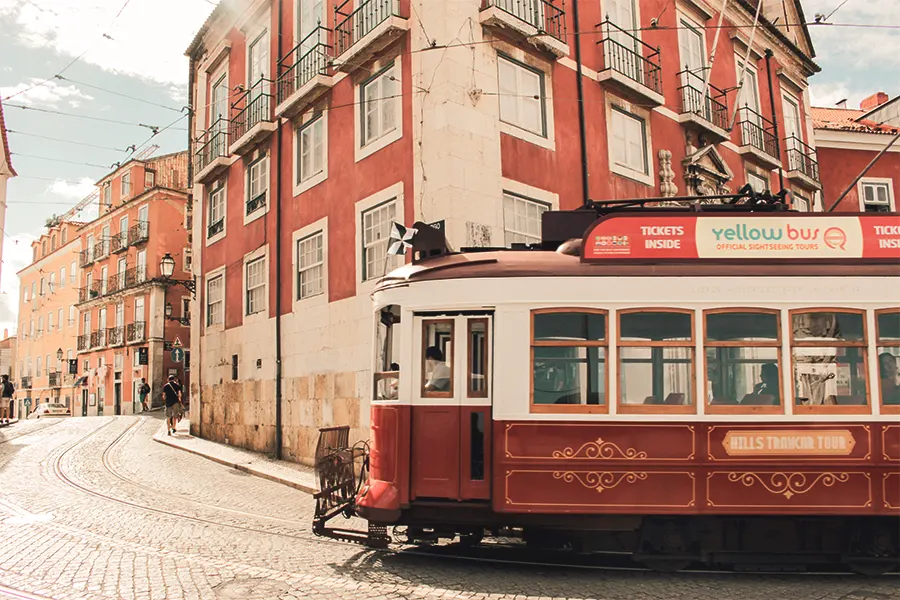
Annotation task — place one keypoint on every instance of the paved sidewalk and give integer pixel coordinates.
(287, 473)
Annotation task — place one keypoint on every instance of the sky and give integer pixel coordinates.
(136, 48)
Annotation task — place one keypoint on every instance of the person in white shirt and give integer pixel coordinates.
(440, 372)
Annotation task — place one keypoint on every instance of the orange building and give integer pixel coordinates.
(127, 331)
(48, 318)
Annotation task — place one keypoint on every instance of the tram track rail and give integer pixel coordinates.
(6, 438)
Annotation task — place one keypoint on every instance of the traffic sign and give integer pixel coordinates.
(177, 343)
(177, 355)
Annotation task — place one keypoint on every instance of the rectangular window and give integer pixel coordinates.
(188, 260)
(376, 227)
(52, 283)
(876, 196)
(887, 327)
(216, 209)
(568, 361)
(49, 322)
(311, 149)
(126, 185)
(656, 357)
(215, 301)
(257, 184)
(758, 183)
(829, 361)
(522, 100)
(149, 179)
(43, 289)
(437, 361)
(64, 237)
(107, 194)
(310, 266)
(256, 286)
(62, 277)
(478, 349)
(259, 60)
(71, 316)
(522, 219)
(378, 105)
(743, 361)
(799, 203)
(61, 319)
(39, 368)
(40, 326)
(629, 141)
(73, 273)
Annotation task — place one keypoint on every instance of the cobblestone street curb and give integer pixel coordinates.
(242, 460)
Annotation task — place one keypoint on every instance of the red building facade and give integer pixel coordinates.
(317, 123)
(124, 332)
(847, 140)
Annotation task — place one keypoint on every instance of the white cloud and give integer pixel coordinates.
(48, 95)
(16, 256)
(147, 40)
(829, 94)
(78, 190)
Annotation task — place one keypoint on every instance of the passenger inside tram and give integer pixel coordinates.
(439, 379)
(889, 375)
(766, 391)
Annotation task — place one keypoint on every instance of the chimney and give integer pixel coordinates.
(841, 103)
(876, 99)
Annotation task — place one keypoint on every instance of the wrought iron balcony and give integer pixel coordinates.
(542, 22)
(25, 383)
(758, 136)
(304, 73)
(101, 250)
(115, 283)
(709, 111)
(118, 242)
(256, 203)
(84, 294)
(629, 65)
(115, 336)
(83, 342)
(98, 338)
(55, 379)
(139, 233)
(211, 155)
(135, 276)
(216, 228)
(803, 164)
(255, 118)
(364, 30)
(86, 257)
(136, 332)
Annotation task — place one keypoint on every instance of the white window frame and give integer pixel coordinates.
(763, 178)
(263, 166)
(218, 187)
(803, 198)
(251, 258)
(210, 277)
(520, 200)
(187, 258)
(62, 276)
(393, 193)
(149, 178)
(311, 121)
(317, 227)
(629, 110)
(125, 185)
(319, 264)
(521, 67)
(628, 168)
(73, 272)
(876, 181)
(107, 194)
(362, 150)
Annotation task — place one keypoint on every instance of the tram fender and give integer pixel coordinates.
(379, 501)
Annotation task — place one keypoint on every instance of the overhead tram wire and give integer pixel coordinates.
(60, 160)
(54, 139)
(75, 115)
(120, 94)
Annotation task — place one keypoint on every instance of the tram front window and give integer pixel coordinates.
(437, 360)
(387, 349)
(829, 358)
(742, 352)
(888, 324)
(569, 358)
(656, 358)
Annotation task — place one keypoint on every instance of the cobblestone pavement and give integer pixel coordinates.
(92, 508)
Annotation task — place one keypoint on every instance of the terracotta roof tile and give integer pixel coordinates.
(847, 119)
(5, 140)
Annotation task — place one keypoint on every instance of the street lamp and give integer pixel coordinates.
(167, 266)
(168, 309)
(168, 312)
(59, 354)
(167, 269)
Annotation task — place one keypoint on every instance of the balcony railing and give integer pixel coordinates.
(757, 131)
(624, 53)
(115, 283)
(136, 332)
(802, 158)
(119, 242)
(256, 203)
(212, 144)
(139, 232)
(84, 342)
(712, 108)
(216, 228)
(25, 383)
(115, 336)
(55, 379)
(84, 294)
(547, 16)
(308, 58)
(101, 250)
(135, 275)
(98, 338)
(254, 106)
(85, 257)
(354, 24)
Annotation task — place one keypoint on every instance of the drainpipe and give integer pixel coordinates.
(278, 386)
(198, 339)
(774, 118)
(581, 124)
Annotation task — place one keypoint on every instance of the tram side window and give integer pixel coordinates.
(437, 358)
(568, 358)
(387, 350)
(742, 358)
(656, 353)
(478, 358)
(829, 358)
(888, 335)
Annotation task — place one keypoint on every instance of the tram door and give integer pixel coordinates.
(451, 411)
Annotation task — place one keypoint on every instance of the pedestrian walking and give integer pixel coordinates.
(144, 391)
(6, 399)
(174, 408)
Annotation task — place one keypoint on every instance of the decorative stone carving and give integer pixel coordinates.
(667, 187)
(705, 171)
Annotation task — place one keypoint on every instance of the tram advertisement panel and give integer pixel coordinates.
(754, 237)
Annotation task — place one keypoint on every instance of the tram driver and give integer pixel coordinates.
(440, 372)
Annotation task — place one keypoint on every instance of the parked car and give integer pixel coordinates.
(49, 410)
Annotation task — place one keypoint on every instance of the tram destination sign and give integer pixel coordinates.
(749, 237)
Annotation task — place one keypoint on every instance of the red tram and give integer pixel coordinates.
(698, 385)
